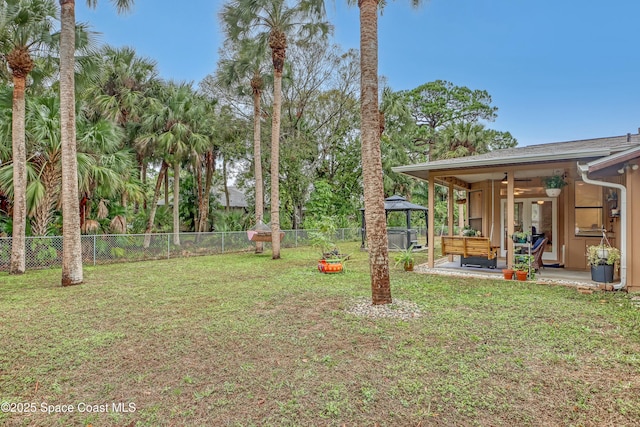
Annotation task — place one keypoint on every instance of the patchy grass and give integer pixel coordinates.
(242, 340)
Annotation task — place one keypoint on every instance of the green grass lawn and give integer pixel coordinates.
(241, 340)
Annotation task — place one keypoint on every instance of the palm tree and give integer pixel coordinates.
(173, 131)
(103, 166)
(371, 154)
(71, 250)
(269, 21)
(249, 65)
(25, 28)
(120, 92)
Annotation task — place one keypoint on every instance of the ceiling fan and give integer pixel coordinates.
(504, 180)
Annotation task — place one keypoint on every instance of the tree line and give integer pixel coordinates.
(283, 102)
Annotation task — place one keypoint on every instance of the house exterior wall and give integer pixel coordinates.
(632, 183)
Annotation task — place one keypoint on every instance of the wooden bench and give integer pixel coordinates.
(475, 251)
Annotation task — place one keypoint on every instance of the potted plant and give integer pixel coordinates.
(469, 231)
(522, 267)
(521, 270)
(521, 236)
(553, 185)
(331, 261)
(406, 258)
(603, 259)
(508, 273)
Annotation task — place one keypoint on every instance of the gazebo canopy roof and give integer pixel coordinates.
(399, 203)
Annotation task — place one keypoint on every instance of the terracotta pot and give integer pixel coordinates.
(508, 274)
(330, 266)
(408, 266)
(521, 275)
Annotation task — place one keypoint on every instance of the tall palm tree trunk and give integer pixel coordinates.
(204, 191)
(154, 205)
(71, 248)
(176, 203)
(17, 265)
(371, 155)
(275, 166)
(257, 164)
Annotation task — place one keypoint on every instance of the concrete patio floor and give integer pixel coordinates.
(550, 275)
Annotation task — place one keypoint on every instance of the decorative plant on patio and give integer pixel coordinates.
(603, 259)
(555, 181)
(603, 255)
(522, 267)
(521, 236)
(553, 185)
(469, 232)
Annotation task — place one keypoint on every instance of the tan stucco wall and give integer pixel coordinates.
(633, 230)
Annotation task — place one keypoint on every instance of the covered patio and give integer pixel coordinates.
(506, 194)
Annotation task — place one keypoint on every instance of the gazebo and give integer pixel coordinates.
(399, 238)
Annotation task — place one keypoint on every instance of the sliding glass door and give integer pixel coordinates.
(538, 216)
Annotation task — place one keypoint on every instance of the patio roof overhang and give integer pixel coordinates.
(613, 160)
(469, 169)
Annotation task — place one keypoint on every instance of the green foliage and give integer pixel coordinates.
(231, 221)
(117, 252)
(469, 231)
(522, 262)
(555, 181)
(5, 251)
(327, 201)
(440, 103)
(163, 222)
(102, 246)
(521, 236)
(596, 255)
(323, 235)
(43, 250)
(405, 256)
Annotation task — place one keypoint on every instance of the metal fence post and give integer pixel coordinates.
(94, 250)
(223, 242)
(168, 247)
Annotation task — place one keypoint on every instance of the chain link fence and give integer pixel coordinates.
(46, 251)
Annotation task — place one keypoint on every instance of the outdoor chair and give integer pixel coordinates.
(537, 251)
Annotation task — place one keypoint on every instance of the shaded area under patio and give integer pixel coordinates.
(551, 275)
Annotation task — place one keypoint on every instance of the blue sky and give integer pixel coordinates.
(557, 70)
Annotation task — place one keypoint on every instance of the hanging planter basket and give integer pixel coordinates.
(553, 192)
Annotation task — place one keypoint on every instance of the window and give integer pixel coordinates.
(588, 210)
